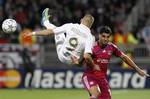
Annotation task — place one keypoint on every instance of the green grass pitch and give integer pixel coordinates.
(68, 94)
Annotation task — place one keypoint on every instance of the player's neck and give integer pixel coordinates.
(84, 24)
(101, 45)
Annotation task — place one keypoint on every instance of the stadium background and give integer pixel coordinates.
(129, 20)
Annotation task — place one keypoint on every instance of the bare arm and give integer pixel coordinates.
(76, 61)
(39, 33)
(55, 30)
(127, 60)
(88, 59)
(43, 32)
(90, 62)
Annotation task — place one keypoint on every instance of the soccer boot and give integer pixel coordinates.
(45, 16)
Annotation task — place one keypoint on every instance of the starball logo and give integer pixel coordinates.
(9, 78)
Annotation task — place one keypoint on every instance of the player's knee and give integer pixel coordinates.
(95, 92)
(93, 97)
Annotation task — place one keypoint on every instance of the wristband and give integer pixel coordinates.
(33, 33)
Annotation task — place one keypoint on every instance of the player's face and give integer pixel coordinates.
(104, 38)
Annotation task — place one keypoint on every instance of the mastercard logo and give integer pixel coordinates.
(10, 78)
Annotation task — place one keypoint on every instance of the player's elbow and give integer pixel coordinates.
(125, 58)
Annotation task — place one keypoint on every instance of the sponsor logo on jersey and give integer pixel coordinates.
(102, 60)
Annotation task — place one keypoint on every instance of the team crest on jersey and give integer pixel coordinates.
(91, 83)
(109, 52)
(102, 60)
(104, 51)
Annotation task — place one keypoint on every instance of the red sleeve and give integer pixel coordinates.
(116, 51)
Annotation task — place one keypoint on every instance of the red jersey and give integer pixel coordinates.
(101, 57)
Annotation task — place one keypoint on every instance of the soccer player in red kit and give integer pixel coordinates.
(95, 81)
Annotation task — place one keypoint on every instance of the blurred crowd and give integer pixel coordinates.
(113, 13)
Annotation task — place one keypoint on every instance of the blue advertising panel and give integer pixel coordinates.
(120, 78)
(69, 78)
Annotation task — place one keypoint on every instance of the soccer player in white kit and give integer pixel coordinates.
(72, 40)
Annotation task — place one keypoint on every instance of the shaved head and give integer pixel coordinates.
(87, 20)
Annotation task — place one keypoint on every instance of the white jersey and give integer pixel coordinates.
(78, 40)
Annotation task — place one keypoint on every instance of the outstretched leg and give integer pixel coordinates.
(45, 19)
(59, 38)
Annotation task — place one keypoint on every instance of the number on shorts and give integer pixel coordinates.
(73, 42)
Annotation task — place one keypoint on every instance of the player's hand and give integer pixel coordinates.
(143, 73)
(75, 60)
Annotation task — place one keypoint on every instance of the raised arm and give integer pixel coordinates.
(45, 32)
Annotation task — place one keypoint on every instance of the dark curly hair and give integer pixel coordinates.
(105, 29)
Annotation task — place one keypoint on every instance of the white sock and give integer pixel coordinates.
(49, 25)
(93, 97)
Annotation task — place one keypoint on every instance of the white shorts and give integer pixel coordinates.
(63, 59)
(59, 41)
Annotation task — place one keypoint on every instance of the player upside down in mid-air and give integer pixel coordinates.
(72, 40)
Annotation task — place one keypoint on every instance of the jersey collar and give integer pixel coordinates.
(85, 27)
